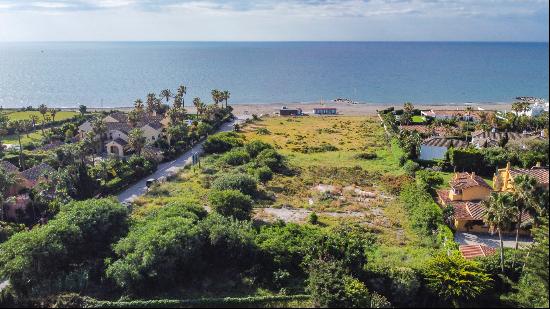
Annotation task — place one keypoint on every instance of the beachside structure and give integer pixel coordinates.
(535, 109)
(450, 114)
(503, 181)
(325, 111)
(435, 148)
(285, 111)
(118, 130)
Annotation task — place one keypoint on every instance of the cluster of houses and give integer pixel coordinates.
(18, 194)
(468, 192)
(285, 111)
(435, 147)
(118, 131)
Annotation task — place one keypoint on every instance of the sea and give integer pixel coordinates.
(114, 74)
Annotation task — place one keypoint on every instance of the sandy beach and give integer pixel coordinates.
(345, 109)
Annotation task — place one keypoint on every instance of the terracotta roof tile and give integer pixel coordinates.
(539, 173)
(475, 251)
(467, 180)
(445, 142)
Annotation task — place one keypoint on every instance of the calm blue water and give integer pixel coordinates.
(115, 74)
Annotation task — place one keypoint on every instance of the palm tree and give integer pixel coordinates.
(138, 105)
(136, 140)
(525, 191)
(216, 96)
(182, 91)
(53, 112)
(43, 109)
(198, 105)
(99, 128)
(34, 119)
(133, 118)
(151, 102)
(19, 127)
(499, 211)
(166, 94)
(226, 95)
(7, 180)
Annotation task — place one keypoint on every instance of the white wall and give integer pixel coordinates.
(432, 152)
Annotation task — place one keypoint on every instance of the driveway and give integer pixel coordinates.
(491, 240)
(172, 167)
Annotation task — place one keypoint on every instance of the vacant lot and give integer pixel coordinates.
(344, 170)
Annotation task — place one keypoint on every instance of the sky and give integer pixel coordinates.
(274, 20)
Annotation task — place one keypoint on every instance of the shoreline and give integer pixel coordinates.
(344, 109)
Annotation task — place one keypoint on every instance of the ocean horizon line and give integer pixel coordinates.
(277, 41)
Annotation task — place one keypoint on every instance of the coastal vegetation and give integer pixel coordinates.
(309, 211)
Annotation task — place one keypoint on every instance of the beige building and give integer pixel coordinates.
(503, 181)
(118, 131)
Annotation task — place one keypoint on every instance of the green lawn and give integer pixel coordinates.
(35, 136)
(418, 119)
(61, 115)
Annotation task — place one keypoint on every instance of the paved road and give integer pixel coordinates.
(491, 240)
(172, 167)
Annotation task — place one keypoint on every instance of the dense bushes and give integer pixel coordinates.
(177, 245)
(58, 256)
(222, 142)
(237, 156)
(425, 215)
(231, 203)
(271, 159)
(242, 182)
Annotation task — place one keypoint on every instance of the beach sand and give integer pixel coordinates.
(345, 109)
(351, 109)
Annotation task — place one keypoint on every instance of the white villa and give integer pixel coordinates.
(118, 129)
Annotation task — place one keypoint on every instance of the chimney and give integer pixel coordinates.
(538, 164)
(473, 175)
(508, 165)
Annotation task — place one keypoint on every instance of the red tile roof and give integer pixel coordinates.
(474, 251)
(539, 173)
(467, 180)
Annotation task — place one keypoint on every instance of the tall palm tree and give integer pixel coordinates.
(19, 128)
(53, 112)
(226, 95)
(151, 102)
(7, 180)
(99, 128)
(182, 91)
(525, 191)
(136, 140)
(133, 118)
(43, 109)
(499, 211)
(216, 96)
(34, 119)
(138, 105)
(198, 105)
(166, 94)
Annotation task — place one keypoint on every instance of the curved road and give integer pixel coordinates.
(172, 167)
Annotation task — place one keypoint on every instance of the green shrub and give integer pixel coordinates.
(263, 131)
(56, 257)
(231, 203)
(425, 214)
(264, 174)
(313, 218)
(237, 156)
(255, 147)
(222, 142)
(411, 167)
(366, 156)
(241, 182)
(455, 280)
(271, 159)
